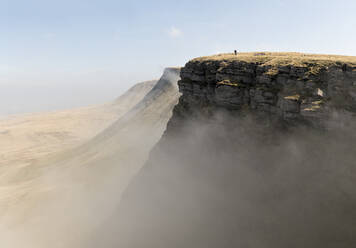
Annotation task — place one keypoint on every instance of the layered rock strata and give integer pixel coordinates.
(308, 91)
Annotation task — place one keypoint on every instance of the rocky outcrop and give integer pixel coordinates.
(305, 92)
(166, 83)
(219, 177)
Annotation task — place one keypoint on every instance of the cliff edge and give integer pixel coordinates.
(289, 86)
(225, 174)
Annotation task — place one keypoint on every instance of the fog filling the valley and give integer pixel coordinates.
(232, 182)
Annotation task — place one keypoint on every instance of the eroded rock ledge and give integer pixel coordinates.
(289, 86)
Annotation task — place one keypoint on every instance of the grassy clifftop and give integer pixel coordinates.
(282, 59)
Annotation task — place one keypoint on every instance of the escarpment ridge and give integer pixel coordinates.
(290, 86)
(87, 178)
(224, 175)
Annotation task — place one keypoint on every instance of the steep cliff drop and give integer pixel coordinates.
(260, 152)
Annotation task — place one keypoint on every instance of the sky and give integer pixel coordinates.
(67, 53)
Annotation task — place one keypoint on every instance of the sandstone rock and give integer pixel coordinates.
(270, 88)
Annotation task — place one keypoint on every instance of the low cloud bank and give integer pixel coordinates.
(232, 182)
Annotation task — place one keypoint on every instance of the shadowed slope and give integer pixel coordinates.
(73, 191)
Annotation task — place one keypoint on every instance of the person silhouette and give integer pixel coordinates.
(235, 52)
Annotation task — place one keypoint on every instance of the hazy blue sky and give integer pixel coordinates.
(67, 53)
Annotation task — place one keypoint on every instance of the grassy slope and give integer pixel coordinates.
(73, 190)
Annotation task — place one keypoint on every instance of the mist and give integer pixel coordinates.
(232, 181)
(217, 179)
(29, 98)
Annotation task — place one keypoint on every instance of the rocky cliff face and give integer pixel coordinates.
(226, 175)
(308, 91)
